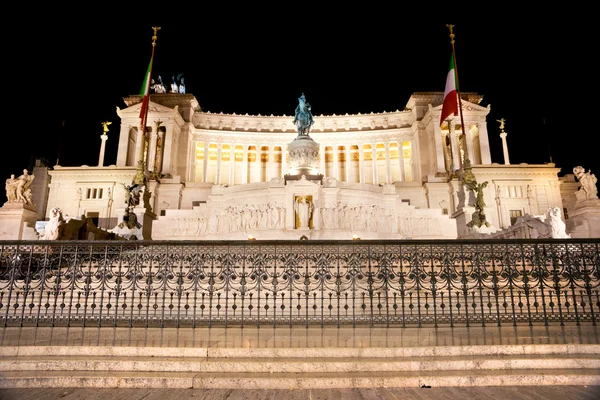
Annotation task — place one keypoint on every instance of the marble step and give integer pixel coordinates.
(299, 352)
(297, 364)
(293, 381)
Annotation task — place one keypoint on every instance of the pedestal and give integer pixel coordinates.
(17, 222)
(584, 219)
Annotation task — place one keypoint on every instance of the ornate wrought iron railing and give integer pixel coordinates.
(374, 283)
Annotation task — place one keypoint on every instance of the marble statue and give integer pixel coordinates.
(303, 117)
(17, 189)
(304, 210)
(549, 225)
(588, 189)
(159, 86)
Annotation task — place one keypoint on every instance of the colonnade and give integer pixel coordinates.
(271, 162)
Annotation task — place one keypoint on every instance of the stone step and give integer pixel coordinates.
(297, 364)
(295, 380)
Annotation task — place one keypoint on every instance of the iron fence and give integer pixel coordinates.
(369, 282)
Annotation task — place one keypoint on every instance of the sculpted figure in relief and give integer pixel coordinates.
(17, 189)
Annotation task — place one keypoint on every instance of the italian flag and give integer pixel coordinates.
(450, 105)
(145, 91)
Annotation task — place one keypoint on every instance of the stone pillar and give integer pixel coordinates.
(231, 164)
(505, 148)
(336, 162)
(401, 161)
(245, 165)
(438, 150)
(139, 142)
(454, 145)
(152, 146)
(205, 163)
(361, 163)
(103, 137)
(388, 169)
(283, 160)
(270, 164)
(348, 163)
(374, 162)
(469, 141)
(161, 154)
(219, 150)
(322, 165)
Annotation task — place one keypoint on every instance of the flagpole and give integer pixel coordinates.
(462, 121)
(140, 176)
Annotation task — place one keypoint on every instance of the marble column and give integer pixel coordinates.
(505, 148)
(139, 143)
(245, 165)
(388, 169)
(374, 163)
(270, 164)
(205, 163)
(103, 137)
(231, 164)
(348, 162)
(401, 162)
(158, 163)
(361, 163)
(219, 161)
(336, 165)
(152, 149)
(322, 165)
(455, 146)
(283, 160)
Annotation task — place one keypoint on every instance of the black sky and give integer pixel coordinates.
(535, 72)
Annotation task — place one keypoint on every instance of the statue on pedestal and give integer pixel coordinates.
(588, 189)
(17, 189)
(303, 117)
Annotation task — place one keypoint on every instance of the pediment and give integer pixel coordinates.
(153, 108)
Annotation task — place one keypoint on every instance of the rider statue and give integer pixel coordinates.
(303, 117)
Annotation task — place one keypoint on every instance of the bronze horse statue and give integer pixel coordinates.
(303, 117)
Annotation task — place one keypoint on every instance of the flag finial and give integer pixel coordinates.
(154, 37)
(451, 32)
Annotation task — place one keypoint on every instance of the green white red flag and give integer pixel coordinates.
(450, 105)
(145, 91)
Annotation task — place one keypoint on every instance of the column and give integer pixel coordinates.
(374, 162)
(283, 160)
(245, 165)
(139, 142)
(454, 145)
(103, 137)
(270, 164)
(438, 151)
(401, 161)
(322, 159)
(469, 141)
(151, 157)
(158, 163)
(505, 148)
(361, 163)
(218, 177)
(336, 167)
(347, 147)
(231, 164)
(388, 169)
(205, 163)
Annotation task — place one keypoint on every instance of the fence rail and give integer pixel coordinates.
(369, 282)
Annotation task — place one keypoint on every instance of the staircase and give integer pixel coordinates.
(239, 366)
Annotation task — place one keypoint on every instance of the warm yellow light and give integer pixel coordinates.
(354, 237)
(250, 237)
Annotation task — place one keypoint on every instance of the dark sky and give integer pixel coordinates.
(535, 72)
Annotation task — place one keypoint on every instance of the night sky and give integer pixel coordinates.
(534, 72)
